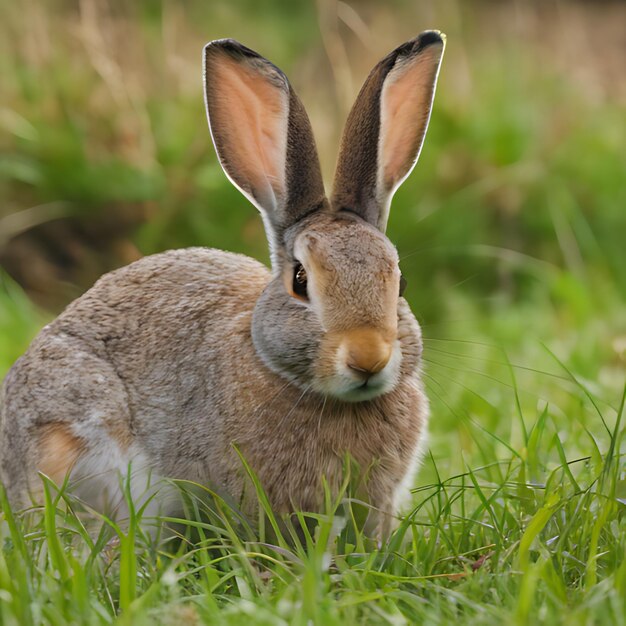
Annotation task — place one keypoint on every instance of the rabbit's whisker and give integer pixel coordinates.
(319, 420)
(293, 408)
(267, 403)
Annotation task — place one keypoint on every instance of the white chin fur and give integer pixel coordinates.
(346, 386)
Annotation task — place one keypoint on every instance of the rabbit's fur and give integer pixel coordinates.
(168, 362)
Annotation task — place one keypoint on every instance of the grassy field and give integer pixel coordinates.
(510, 233)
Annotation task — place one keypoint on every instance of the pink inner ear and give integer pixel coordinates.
(249, 113)
(405, 109)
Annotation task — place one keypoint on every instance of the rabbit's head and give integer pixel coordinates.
(329, 319)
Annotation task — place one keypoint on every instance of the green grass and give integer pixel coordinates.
(531, 535)
(511, 235)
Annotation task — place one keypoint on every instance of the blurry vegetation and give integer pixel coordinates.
(511, 232)
(105, 138)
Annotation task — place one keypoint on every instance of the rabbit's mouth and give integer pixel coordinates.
(361, 392)
(352, 384)
(366, 391)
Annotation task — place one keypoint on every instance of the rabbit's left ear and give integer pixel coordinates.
(386, 128)
(262, 136)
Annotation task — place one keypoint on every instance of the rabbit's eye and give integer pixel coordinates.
(402, 285)
(299, 281)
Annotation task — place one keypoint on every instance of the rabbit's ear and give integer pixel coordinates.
(262, 135)
(386, 128)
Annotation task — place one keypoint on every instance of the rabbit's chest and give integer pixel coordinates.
(294, 462)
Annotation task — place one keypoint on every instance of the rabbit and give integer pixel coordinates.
(171, 365)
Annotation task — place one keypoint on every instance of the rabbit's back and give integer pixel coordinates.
(129, 368)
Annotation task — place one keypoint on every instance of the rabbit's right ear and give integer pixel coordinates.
(262, 136)
(386, 128)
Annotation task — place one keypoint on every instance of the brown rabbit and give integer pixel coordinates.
(166, 363)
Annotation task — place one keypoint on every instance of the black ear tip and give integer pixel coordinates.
(417, 45)
(240, 53)
(222, 44)
(429, 37)
(231, 47)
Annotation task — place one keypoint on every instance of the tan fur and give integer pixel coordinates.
(366, 350)
(366, 294)
(166, 365)
(120, 434)
(59, 449)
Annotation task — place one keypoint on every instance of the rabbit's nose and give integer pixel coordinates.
(367, 353)
(365, 374)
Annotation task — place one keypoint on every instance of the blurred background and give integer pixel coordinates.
(511, 229)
